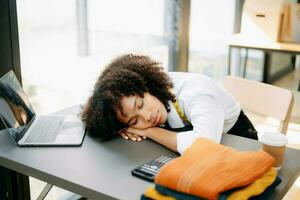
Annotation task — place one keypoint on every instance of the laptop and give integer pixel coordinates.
(28, 129)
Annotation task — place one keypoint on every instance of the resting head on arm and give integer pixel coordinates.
(130, 98)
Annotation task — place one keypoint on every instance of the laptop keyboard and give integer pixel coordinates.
(45, 129)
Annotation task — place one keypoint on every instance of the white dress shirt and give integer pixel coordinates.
(210, 109)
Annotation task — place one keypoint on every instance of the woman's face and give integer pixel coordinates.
(142, 113)
(19, 113)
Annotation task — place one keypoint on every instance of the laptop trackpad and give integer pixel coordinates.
(71, 131)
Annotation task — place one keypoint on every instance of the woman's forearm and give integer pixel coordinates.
(164, 137)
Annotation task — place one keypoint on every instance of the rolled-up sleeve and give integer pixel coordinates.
(207, 117)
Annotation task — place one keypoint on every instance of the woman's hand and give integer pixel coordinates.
(160, 135)
(133, 134)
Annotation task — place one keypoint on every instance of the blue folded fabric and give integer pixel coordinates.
(143, 197)
(268, 191)
(179, 195)
(223, 196)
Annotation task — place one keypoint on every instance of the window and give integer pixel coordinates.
(55, 75)
(211, 24)
(56, 72)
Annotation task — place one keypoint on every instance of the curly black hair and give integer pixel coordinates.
(126, 75)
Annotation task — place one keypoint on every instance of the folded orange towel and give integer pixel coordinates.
(208, 168)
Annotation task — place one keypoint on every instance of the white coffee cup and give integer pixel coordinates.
(275, 144)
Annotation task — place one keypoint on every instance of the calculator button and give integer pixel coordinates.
(154, 167)
(149, 169)
(147, 172)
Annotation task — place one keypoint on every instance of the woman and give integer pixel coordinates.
(135, 98)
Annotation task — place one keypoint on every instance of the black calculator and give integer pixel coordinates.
(148, 170)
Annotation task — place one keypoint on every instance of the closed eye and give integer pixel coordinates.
(141, 104)
(133, 122)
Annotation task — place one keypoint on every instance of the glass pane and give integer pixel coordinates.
(117, 27)
(211, 25)
(132, 16)
(54, 74)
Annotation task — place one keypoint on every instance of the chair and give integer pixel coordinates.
(262, 99)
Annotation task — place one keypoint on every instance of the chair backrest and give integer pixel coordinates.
(262, 99)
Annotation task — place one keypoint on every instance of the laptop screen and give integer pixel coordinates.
(15, 108)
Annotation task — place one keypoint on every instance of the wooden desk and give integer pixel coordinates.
(268, 46)
(102, 170)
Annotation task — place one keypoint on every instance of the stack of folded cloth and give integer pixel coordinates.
(208, 170)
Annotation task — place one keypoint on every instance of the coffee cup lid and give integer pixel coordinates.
(273, 139)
